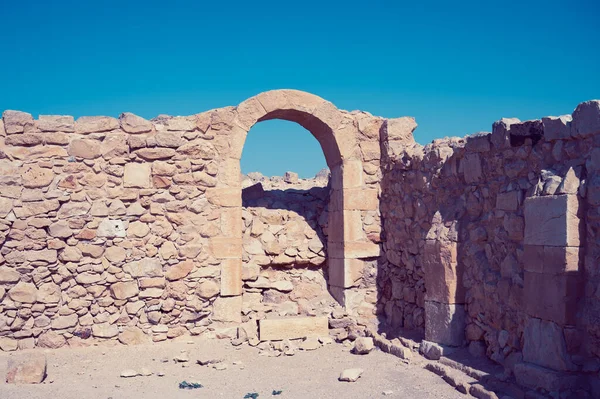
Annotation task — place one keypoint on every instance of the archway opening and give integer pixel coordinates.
(285, 217)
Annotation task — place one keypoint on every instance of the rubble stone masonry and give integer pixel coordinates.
(134, 230)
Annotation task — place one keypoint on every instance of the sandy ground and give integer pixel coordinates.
(94, 372)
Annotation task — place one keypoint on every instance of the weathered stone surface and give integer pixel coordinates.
(115, 254)
(55, 123)
(9, 275)
(552, 220)
(442, 272)
(180, 270)
(15, 121)
(137, 175)
(133, 336)
(134, 124)
(586, 119)
(60, 229)
(544, 345)
(33, 176)
(557, 128)
(111, 228)
(363, 345)
(51, 340)
(30, 369)
(350, 375)
(228, 309)
(552, 297)
(293, 328)
(62, 322)
(48, 293)
(85, 148)
(95, 124)
(124, 290)
(105, 330)
(445, 323)
(207, 289)
(147, 267)
(23, 292)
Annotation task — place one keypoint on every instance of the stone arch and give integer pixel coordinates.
(337, 133)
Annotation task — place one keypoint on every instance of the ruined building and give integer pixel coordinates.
(136, 230)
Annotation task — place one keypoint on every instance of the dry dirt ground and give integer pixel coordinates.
(94, 372)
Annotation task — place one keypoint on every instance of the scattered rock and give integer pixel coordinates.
(363, 345)
(129, 373)
(182, 357)
(350, 375)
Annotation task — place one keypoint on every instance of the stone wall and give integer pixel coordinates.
(491, 238)
(134, 230)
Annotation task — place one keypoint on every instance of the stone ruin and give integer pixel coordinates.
(137, 231)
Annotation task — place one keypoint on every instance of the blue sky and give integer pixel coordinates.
(455, 66)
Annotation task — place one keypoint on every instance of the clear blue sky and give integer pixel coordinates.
(454, 65)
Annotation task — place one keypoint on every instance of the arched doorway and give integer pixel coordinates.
(337, 133)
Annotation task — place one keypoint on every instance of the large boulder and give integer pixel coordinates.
(30, 369)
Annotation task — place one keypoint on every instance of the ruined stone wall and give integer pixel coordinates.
(492, 240)
(134, 230)
(106, 224)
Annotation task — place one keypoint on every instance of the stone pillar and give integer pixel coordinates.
(552, 279)
(347, 244)
(444, 294)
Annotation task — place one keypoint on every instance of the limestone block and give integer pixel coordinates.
(111, 228)
(35, 177)
(146, 267)
(124, 290)
(552, 220)
(29, 369)
(23, 292)
(6, 205)
(400, 129)
(557, 127)
(105, 330)
(360, 199)
(360, 249)
(500, 132)
(443, 275)
(293, 328)
(227, 197)
(228, 309)
(544, 344)
(133, 336)
(9, 275)
(15, 121)
(94, 124)
(180, 270)
(231, 222)
(345, 273)
(56, 123)
(85, 148)
(134, 124)
(445, 323)
(352, 174)
(231, 277)
(551, 260)
(226, 247)
(137, 175)
(352, 226)
(586, 119)
(290, 177)
(552, 297)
